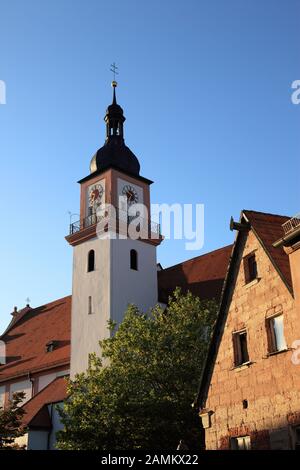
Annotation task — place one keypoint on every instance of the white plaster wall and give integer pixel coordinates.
(112, 286)
(37, 440)
(87, 330)
(130, 286)
(44, 380)
(24, 386)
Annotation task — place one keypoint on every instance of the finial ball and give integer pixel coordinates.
(114, 84)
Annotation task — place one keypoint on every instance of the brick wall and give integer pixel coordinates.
(270, 384)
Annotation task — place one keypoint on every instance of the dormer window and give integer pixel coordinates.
(50, 346)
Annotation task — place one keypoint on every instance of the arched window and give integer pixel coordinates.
(133, 260)
(91, 261)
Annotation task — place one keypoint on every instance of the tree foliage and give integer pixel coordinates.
(140, 394)
(11, 422)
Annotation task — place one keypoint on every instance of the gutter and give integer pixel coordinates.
(25, 373)
(287, 238)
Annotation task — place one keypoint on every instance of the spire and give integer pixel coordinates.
(114, 84)
(114, 119)
(114, 152)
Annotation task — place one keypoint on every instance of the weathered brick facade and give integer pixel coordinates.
(262, 398)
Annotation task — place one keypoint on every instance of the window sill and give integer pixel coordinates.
(243, 366)
(274, 353)
(252, 283)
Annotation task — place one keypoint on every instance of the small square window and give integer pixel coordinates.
(275, 331)
(240, 347)
(250, 268)
(241, 443)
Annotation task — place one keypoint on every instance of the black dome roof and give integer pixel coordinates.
(115, 153)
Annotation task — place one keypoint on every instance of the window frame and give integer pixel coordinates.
(271, 335)
(250, 276)
(238, 352)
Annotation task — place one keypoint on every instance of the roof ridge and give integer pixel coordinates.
(265, 213)
(197, 257)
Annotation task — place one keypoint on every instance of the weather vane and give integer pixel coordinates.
(114, 70)
(28, 300)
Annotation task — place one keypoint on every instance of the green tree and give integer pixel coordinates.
(11, 422)
(143, 398)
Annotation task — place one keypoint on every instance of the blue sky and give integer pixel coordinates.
(206, 90)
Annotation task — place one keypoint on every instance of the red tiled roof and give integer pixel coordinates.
(27, 336)
(202, 276)
(268, 228)
(36, 414)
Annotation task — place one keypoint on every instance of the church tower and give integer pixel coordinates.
(114, 242)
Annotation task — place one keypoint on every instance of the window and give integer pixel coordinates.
(90, 306)
(241, 443)
(50, 346)
(275, 331)
(133, 260)
(250, 268)
(241, 355)
(91, 261)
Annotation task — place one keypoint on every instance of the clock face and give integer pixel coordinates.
(95, 194)
(131, 194)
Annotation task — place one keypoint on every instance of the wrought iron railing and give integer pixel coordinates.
(291, 224)
(121, 218)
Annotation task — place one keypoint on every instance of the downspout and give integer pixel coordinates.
(31, 380)
(50, 431)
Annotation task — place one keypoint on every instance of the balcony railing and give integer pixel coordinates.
(291, 224)
(121, 219)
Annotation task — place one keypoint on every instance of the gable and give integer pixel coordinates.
(260, 237)
(268, 228)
